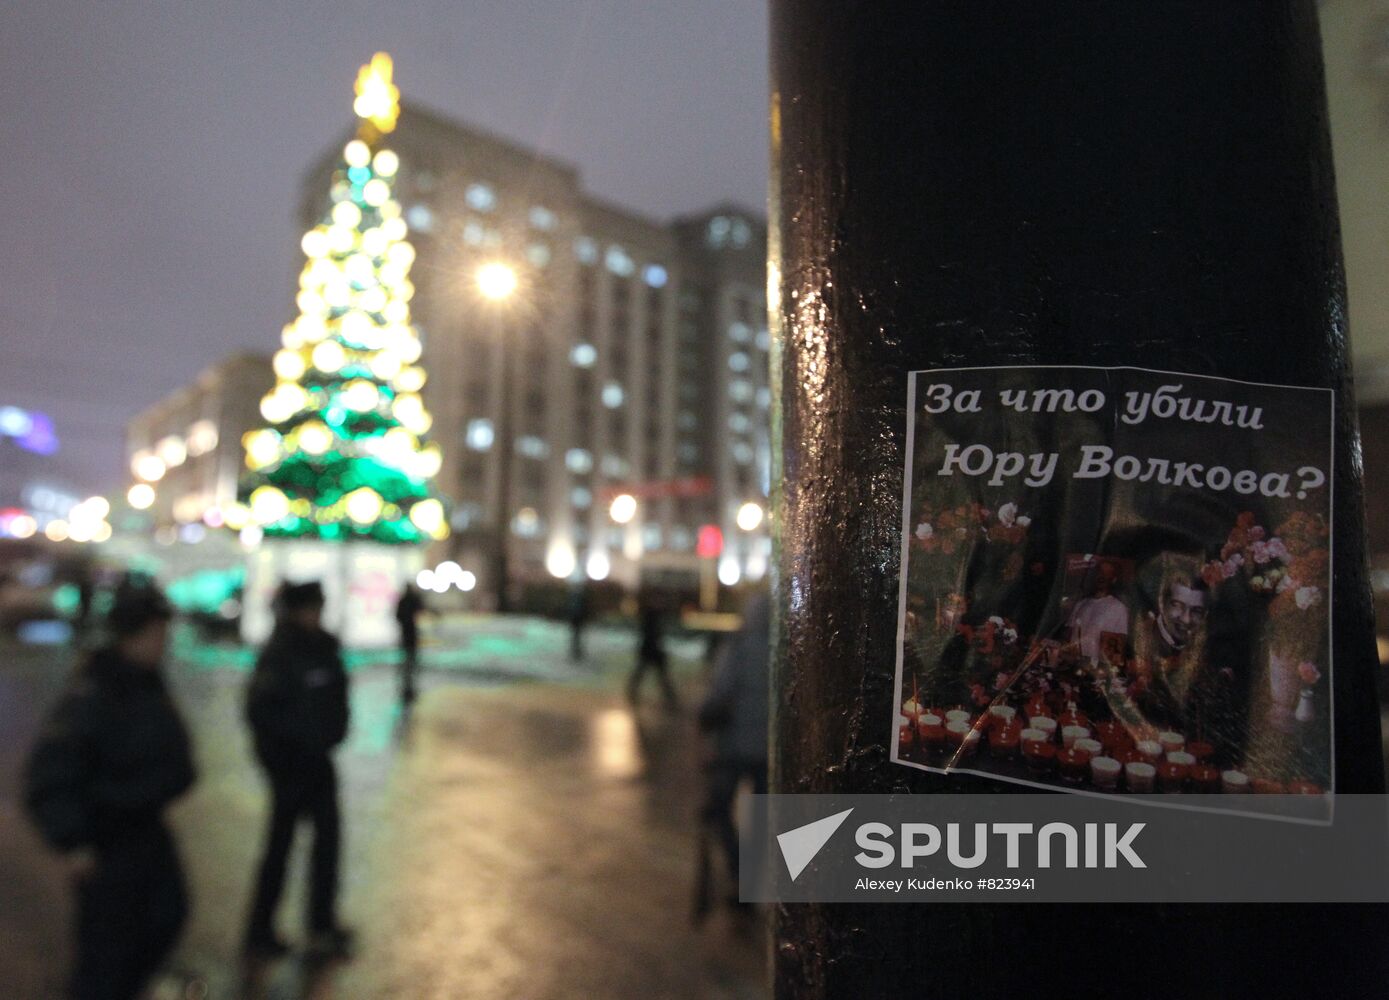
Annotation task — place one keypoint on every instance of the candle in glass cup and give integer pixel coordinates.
(911, 708)
(1072, 717)
(1171, 776)
(1069, 735)
(959, 734)
(1267, 786)
(1002, 715)
(1040, 757)
(1029, 736)
(1045, 723)
(958, 715)
(1139, 776)
(1104, 772)
(905, 731)
(1004, 741)
(1304, 788)
(1201, 750)
(1074, 765)
(1204, 778)
(1234, 781)
(1181, 757)
(1151, 751)
(931, 728)
(1093, 747)
(1171, 741)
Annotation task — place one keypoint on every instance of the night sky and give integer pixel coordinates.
(152, 152)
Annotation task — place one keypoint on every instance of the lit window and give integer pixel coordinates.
(741, 390)
(717, 234)
(614, 465)
(689, 453)
(738, 423)
(742, 453)
(473, 233)
(420, 218)
(583, 355)
(738, 361)
(586, 250)
(479, 434)
(739, 333)
(655, 275)
(480, 197)
(687, 421)
(527, 523)
(741, 233)
(613, 395)
(764, 339)
(581, 498)
(538, 254)
(465, 515)
(681, 539)
(764, 397)
(542, 218)
(577, 460)
(651, 537)
(618, 262)
(532, 446)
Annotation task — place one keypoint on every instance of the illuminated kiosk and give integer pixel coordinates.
(338, 481)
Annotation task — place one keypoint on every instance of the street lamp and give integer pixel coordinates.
(623, 508)
(497, 282)
(749, 516)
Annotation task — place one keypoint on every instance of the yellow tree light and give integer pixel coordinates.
(378, 99)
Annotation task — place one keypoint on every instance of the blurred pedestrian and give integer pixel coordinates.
(297, 708)
(407, 614)
(651, 652)
(580, 610)
(735, 714)
(113, 753)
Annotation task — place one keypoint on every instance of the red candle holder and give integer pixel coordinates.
(1074, 765)
(1005, 741)
(1172, 776)
(1304, 788)
(1040, 757)
(1268, 786)
(1201, 750)
(1204, 778)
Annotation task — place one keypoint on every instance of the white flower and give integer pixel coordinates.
(1285, 583)
(1024, 521)
(996, 620)
(1007, 514)
(1307, 596)
(924, 531)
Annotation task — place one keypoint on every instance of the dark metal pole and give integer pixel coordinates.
(1083, 182)
(505, 446)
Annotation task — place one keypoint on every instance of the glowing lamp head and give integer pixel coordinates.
(496, 281)
(623, 508)
(749, 516)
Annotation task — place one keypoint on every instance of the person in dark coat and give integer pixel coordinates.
(651, 653)
(407, 614)
(580, 611)
(112, 754)
(735, 714)
(297, 708)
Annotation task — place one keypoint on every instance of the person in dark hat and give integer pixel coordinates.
(297, 708)
(112, 754)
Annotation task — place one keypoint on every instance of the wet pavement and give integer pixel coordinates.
(521, 834)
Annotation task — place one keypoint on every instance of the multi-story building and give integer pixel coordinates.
(187, 447)
(630, 359)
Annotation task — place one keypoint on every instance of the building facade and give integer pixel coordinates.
(187, 449)
(631, 358)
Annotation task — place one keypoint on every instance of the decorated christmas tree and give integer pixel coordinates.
(343, 452)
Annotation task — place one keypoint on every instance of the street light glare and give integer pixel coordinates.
(496, 281)
(624, 508)
(749, 516)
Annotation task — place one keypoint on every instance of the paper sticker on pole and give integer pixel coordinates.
(1117, 580)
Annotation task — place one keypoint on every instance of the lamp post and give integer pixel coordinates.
(497, 282)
